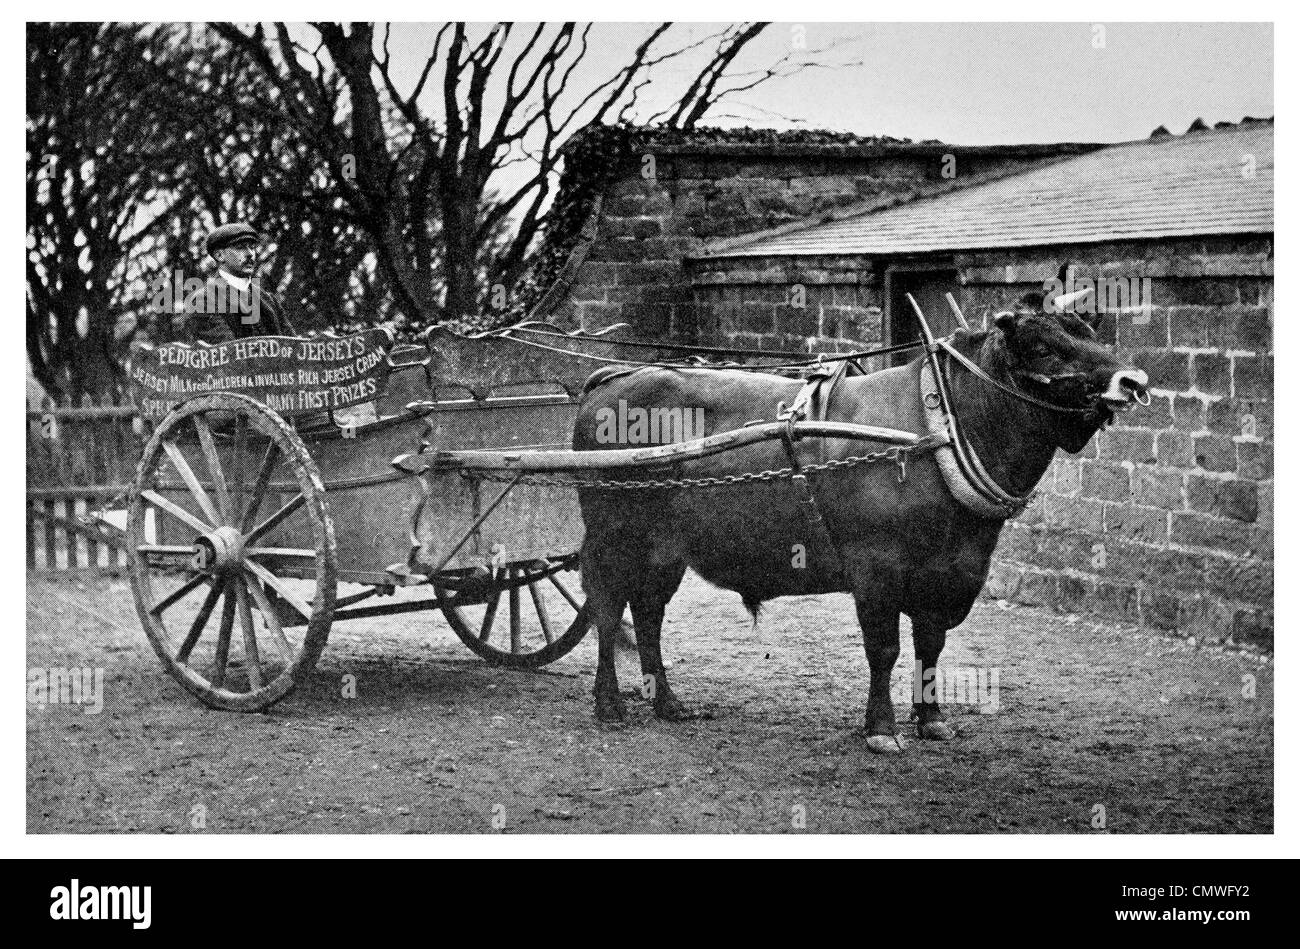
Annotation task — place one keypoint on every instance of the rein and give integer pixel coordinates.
(819, 359)
(816, 360)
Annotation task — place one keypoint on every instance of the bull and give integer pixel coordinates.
(915, 540)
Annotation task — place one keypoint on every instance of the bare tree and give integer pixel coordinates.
(437, 170)
(102, 176)
(253, 164)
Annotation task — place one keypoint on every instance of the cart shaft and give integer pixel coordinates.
(565, 460)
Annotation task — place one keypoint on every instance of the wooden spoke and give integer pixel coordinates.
(214, 467)
(275, 519)
(543, 617)
(200, 621)
(223, 640)
(170, 550)
(180, 593)
(516, 632)
(259, 486)
(251, 658)
(564, 592)
(236, 484)
(279, 586)
(192, 482)
(176, 511)
(295, 552)
(271, 617)
(489, 616)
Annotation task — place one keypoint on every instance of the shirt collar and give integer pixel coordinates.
(239, 283)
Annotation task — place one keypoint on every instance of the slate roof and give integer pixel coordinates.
(1167, 186)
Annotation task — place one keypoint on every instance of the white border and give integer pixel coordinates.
(15, 842)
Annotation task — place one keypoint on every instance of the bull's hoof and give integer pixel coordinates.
(885, 744)
(936, 730)
(673, 709)
(609, 709)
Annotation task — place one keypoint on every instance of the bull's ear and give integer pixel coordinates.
(1005, 321)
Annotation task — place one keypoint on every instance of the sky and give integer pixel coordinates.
(973, 83)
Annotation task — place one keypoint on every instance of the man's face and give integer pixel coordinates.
(238, 258)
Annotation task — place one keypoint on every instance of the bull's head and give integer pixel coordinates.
(1055, 357)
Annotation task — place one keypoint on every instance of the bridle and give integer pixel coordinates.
(1023, 396)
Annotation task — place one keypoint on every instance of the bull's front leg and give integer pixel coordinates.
(879, 624)
(928, 638)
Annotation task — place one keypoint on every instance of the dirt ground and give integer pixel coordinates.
(1155, 731)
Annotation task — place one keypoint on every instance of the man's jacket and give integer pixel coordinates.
(222, 312)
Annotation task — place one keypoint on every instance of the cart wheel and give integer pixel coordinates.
(544, 618)
(224, 557)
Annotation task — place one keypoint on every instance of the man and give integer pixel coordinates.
(234, 304)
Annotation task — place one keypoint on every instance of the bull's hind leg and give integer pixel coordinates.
(605, 586)
(928, 638)
(879, 624)
(648, 602)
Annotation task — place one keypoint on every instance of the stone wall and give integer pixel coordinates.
(676, 195)
(821, 303)
(1166, 518)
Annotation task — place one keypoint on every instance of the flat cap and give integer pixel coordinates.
(228, 234)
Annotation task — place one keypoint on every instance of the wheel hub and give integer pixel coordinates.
(220, 550)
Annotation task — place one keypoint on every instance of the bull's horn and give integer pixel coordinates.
(956, 311)
(1066, 299)
(926, 336)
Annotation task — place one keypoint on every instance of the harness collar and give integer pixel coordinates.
(964, 474)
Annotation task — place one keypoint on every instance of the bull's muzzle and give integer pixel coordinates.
(1127, 388)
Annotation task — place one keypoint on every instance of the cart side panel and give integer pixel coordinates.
(532, 522)
(371, 513)
(372, 522)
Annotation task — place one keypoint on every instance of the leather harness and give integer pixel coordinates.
(963, 473)
(813, 403)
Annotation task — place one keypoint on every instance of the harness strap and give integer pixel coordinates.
(819, 535)
(814, 399)
(814, 396)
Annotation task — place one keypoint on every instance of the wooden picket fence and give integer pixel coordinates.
(79, 459)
